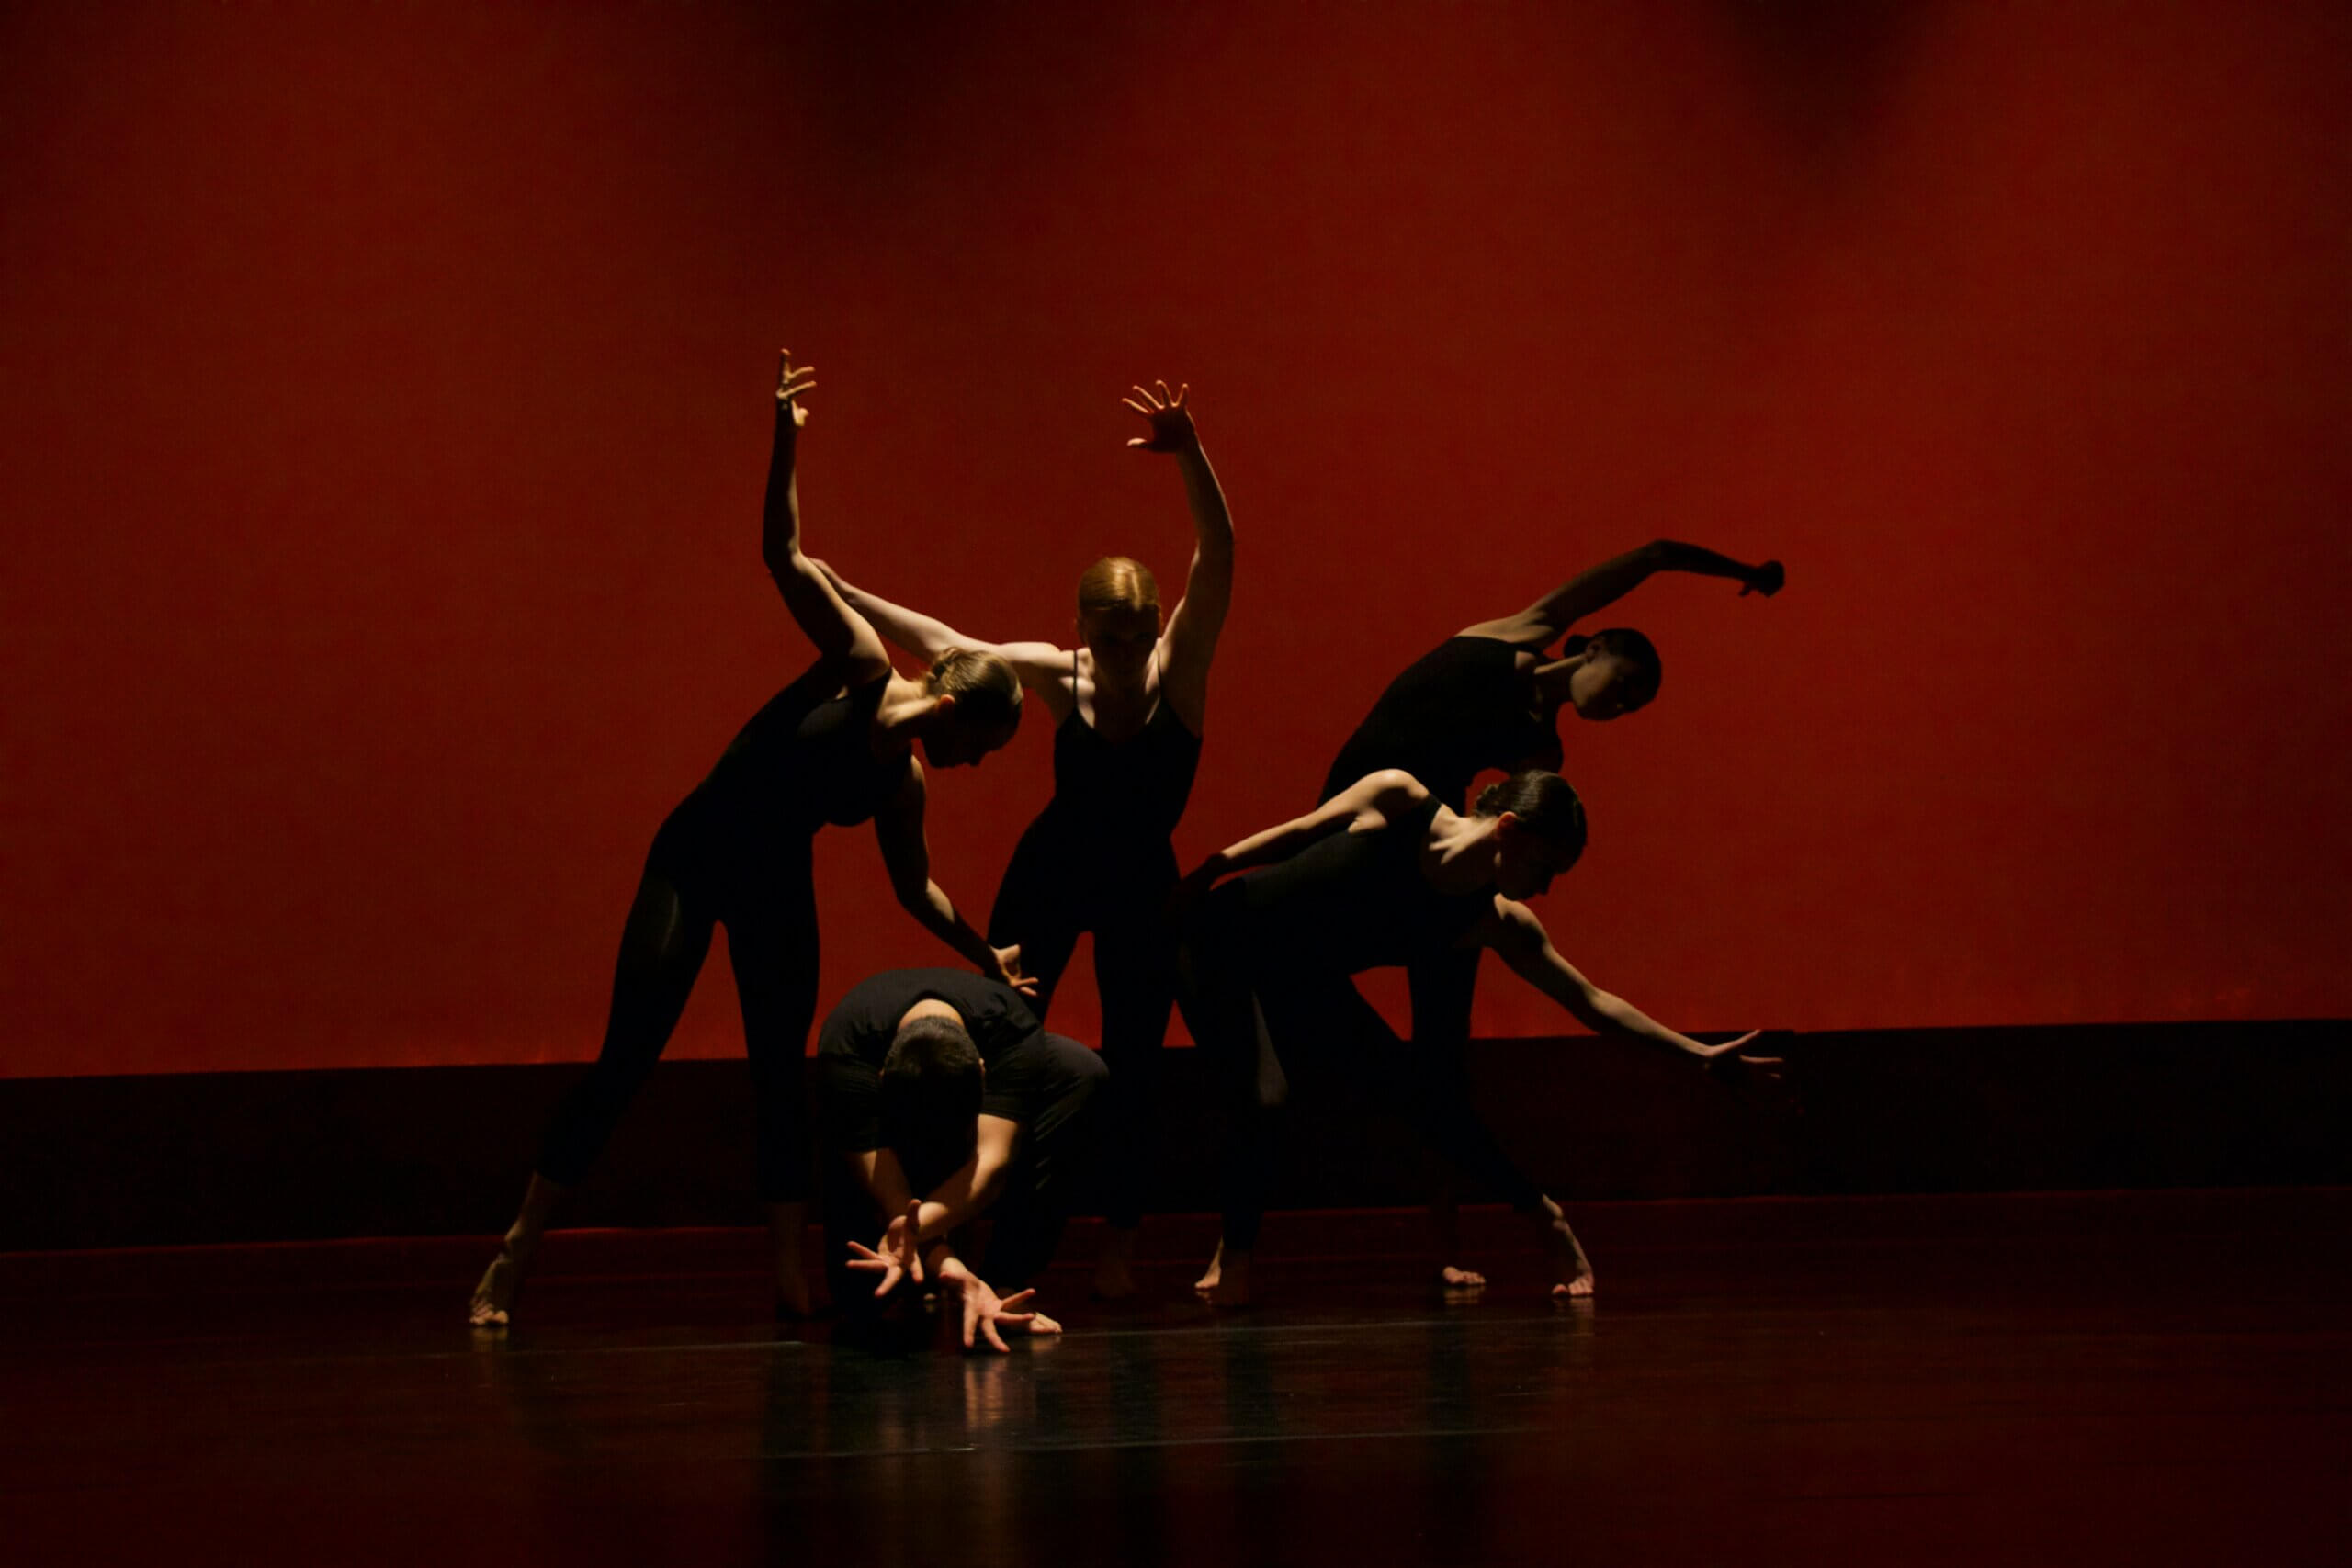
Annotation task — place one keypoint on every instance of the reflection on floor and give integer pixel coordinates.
(2150, 1378)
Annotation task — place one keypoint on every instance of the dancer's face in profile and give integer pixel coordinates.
(1529, 862)
(1606, 686)
(1121, 642)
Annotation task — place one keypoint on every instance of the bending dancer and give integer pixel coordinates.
(1489, 698)
(837, 746)
(1128, 706)
(944, 1083)
(1383, 873)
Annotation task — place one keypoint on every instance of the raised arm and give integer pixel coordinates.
(839, 632)
(1189, 645)
(1594, 590)
(906, 854)
(1513, 931)
(1369, 802)
(1043, 668)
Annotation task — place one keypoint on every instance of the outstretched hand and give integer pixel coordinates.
(1172, 422)
(1744, 1070)
(899, 1257)
(1766, 580)
(791, 381)
(986, 1316)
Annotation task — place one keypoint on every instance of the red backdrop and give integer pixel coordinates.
(386, 393)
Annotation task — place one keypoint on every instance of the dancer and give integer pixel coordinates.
(1128, 706)
(836, 745)
(942, 1082)
(1385, 873)
(1489, 698)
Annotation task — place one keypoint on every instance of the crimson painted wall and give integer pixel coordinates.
(386, 398)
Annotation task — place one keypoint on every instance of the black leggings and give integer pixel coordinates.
(698, 875)
(1056, 1145)
(1251, 1025)
(1443, 983)
(1056, 886)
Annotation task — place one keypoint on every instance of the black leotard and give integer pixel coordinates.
(1269, 955)
(737, 851)
(1098, 858)
(1348, 902)
(1128, 794)
(805, 760)
(1458, 710)
(1462, 707)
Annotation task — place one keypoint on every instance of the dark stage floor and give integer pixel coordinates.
(2149, 1378)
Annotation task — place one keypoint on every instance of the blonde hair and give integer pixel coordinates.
(1117, 585)
(985, 688)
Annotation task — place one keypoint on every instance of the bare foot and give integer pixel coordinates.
(1115, 1280)
(494, 1297)
(1571, 1270)
(1227, 1282)
(1209, 1275)
(1460, 1281)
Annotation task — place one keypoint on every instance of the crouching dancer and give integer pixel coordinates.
(945, 1084)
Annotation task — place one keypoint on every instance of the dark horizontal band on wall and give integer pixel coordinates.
(427, 1151)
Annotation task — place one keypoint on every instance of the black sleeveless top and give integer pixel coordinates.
(1126, 794)
(1461, 708)
(806, 757)
(1347, 902)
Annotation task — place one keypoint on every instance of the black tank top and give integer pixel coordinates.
(1347, 902)
(1128, 792)
(1461, 708)
(806, 757)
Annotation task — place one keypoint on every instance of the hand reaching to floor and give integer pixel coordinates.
(986, 1316)
(1767, 580)
(899, 1257)
(1172, 422)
